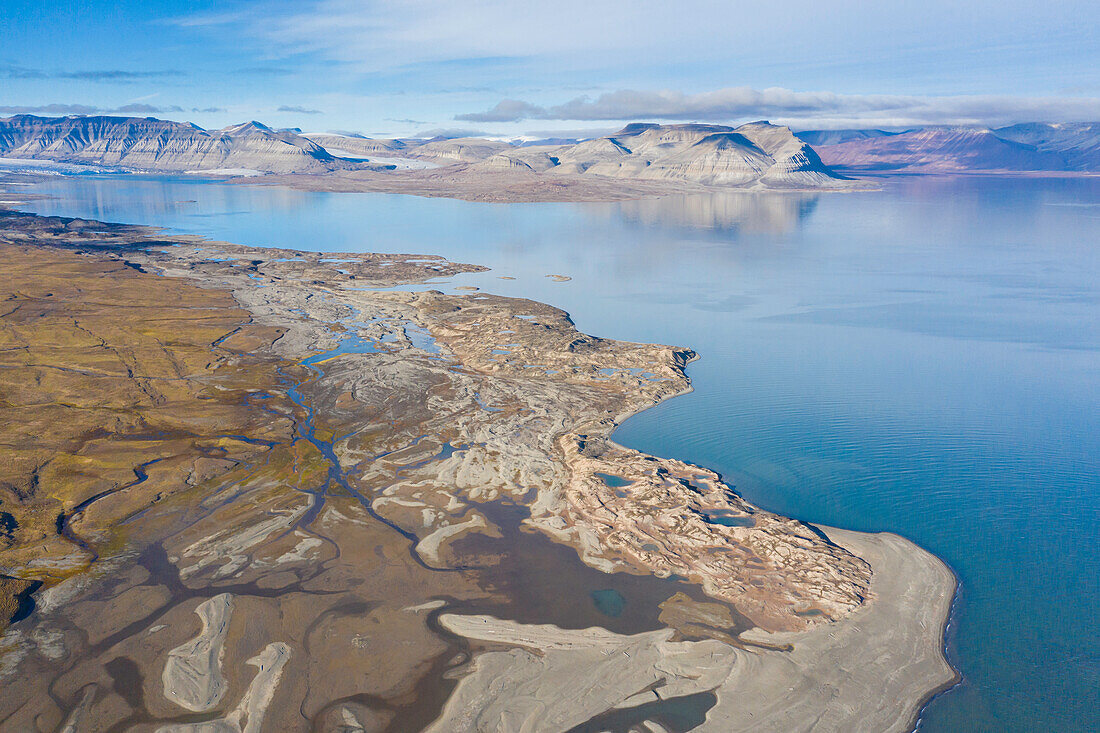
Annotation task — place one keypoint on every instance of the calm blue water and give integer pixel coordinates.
(924, 360)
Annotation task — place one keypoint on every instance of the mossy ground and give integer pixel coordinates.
(116, 383)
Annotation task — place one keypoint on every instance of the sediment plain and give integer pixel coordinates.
(250, 488)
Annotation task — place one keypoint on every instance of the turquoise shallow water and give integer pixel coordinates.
(923, 360)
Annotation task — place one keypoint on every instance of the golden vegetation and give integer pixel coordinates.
(116, 384)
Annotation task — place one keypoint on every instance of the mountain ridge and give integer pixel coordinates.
(148, 143)
(1031, 147)
(757, 154)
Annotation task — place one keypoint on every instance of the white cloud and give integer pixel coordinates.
(430, 59)
(819, 109)
(450, 133)
(717, 36)
(62, 109)
(382, 34)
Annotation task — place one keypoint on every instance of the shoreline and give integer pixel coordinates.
(959, 678)
(479, 187)
(461, 348)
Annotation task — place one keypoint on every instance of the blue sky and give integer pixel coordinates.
(521, 67)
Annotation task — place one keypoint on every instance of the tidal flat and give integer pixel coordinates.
(261, 488)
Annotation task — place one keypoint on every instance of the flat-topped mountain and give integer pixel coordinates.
(1029, 147)
(162, 145)
(756, 153)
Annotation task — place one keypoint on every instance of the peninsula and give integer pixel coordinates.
(251, 487)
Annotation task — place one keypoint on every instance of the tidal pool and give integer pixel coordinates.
(613, 481)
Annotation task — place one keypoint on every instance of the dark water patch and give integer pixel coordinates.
(218, 342)
(608, 602)
(421, 339)
(24, 602)
(810, 613)
(347, 345)
(446, 451)
(127, 681)
(538, 581)
(727, 518)
(676, 714)
(612, 481)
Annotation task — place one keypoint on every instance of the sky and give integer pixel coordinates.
(564, 68)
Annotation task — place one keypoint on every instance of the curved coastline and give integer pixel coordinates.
(940, 675)
(928, 673)
(959, 678)
(857, 542)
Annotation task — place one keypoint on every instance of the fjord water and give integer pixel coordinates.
(923, 360)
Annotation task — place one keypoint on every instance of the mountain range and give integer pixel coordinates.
(162, 145)
(1028, 147)
(757, 154)
(753, 155)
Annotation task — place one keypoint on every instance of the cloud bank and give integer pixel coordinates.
(450, 133)
(818, 108)
(134, 109)
(118, 76)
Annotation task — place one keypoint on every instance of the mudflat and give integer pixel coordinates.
(855, 674)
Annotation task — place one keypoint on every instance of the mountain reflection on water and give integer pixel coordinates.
(177, 197)
(732, 212)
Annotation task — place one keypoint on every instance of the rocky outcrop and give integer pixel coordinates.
(161, 145)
